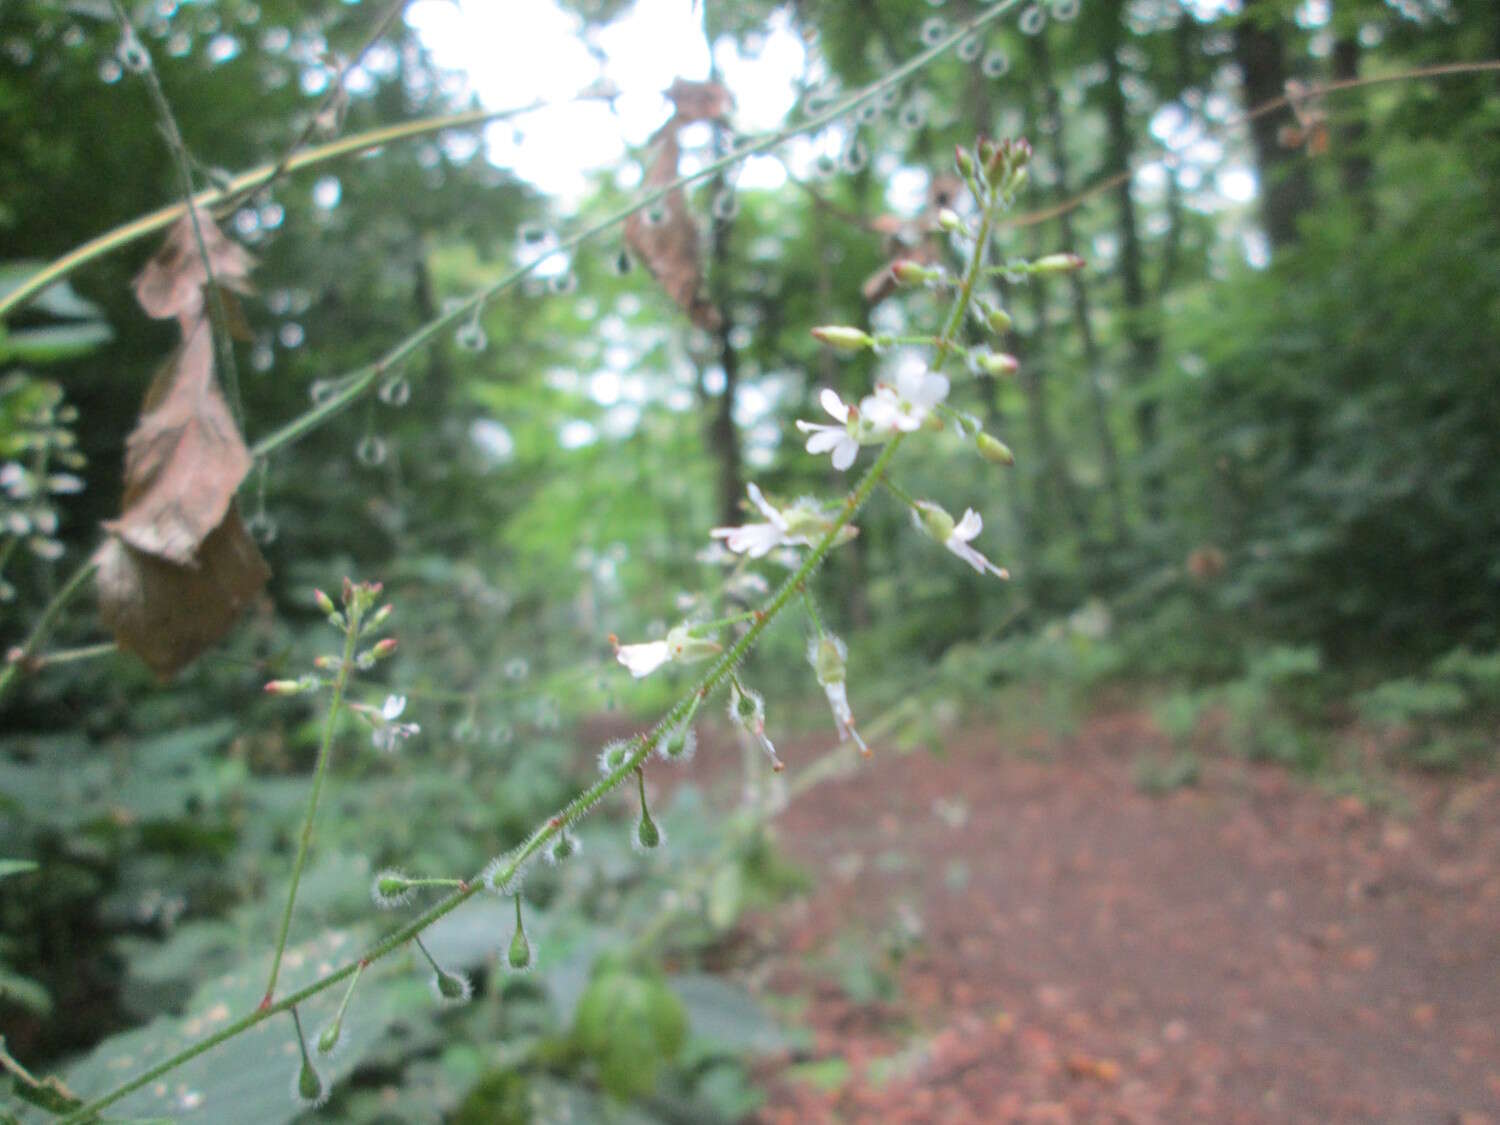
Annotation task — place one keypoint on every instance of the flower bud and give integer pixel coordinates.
(379, 617)
(328, 1039)
(964, 161)
(948, 220)
(843, 338)
(325, 603)
(935, 521)
(291, 687)
(999, 321)
(908, 272)
(382, 648)
(994, 450)
(997, 363)
(1058, 263)
(327, 662)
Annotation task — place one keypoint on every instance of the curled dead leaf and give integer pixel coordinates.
(184, 460)
(665, 237)
(167, 613)
(173, 282)
(699, 101)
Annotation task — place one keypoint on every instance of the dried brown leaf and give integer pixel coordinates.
(665, 237)
(172, 283)
(184, 460)
(166, 613)
(699, 101)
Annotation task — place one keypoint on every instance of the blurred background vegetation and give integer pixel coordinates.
(1255, 492)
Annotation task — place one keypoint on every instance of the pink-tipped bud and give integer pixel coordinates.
(1058, 263)
(964, 161)
(383, 648)
(948, 220)
(380, 616)
(1000, 364)
(843, 337)
(908, 272)
(325, 603)
(326, 662)
(286, 687)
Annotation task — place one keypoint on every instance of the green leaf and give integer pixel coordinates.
(54, 342)
(248, 1079)
(9, 867)
(630, 1023)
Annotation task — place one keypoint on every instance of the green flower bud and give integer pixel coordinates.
(842, 337)
(999, 321)
(994, 450)
(1058, 263)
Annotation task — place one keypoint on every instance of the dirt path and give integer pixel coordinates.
(1249, 950)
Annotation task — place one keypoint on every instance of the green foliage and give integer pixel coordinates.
(629, 1023)
(1438, 720)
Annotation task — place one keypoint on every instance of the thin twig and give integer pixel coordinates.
(182, 162)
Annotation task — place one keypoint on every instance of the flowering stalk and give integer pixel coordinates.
(330, 723)
(502, 871)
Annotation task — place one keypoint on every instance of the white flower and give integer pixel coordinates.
(906, 406)
(870, 423)
(680, 645)
(388, 733)
(759, 539)
(826, 654)
(956, 537)
(643, 659)
(839, 440)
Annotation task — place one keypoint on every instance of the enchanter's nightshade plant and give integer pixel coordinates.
(910, 405)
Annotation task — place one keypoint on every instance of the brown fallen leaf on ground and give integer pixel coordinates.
(174, 281)
(665, 236)
(166, 613)
(184, 460)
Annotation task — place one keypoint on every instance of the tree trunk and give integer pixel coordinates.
(1286, 187)
(1143, 337)
(1078, 291)
(1355, 166)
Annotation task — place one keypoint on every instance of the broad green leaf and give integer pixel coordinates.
(9, 867)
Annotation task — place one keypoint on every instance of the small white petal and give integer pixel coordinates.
(827, 437)
(845, 453)
(970, 526)
(394, 705)
(834, 405)
(643, 659)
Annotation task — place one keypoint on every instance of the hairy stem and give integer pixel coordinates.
(335, 705)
